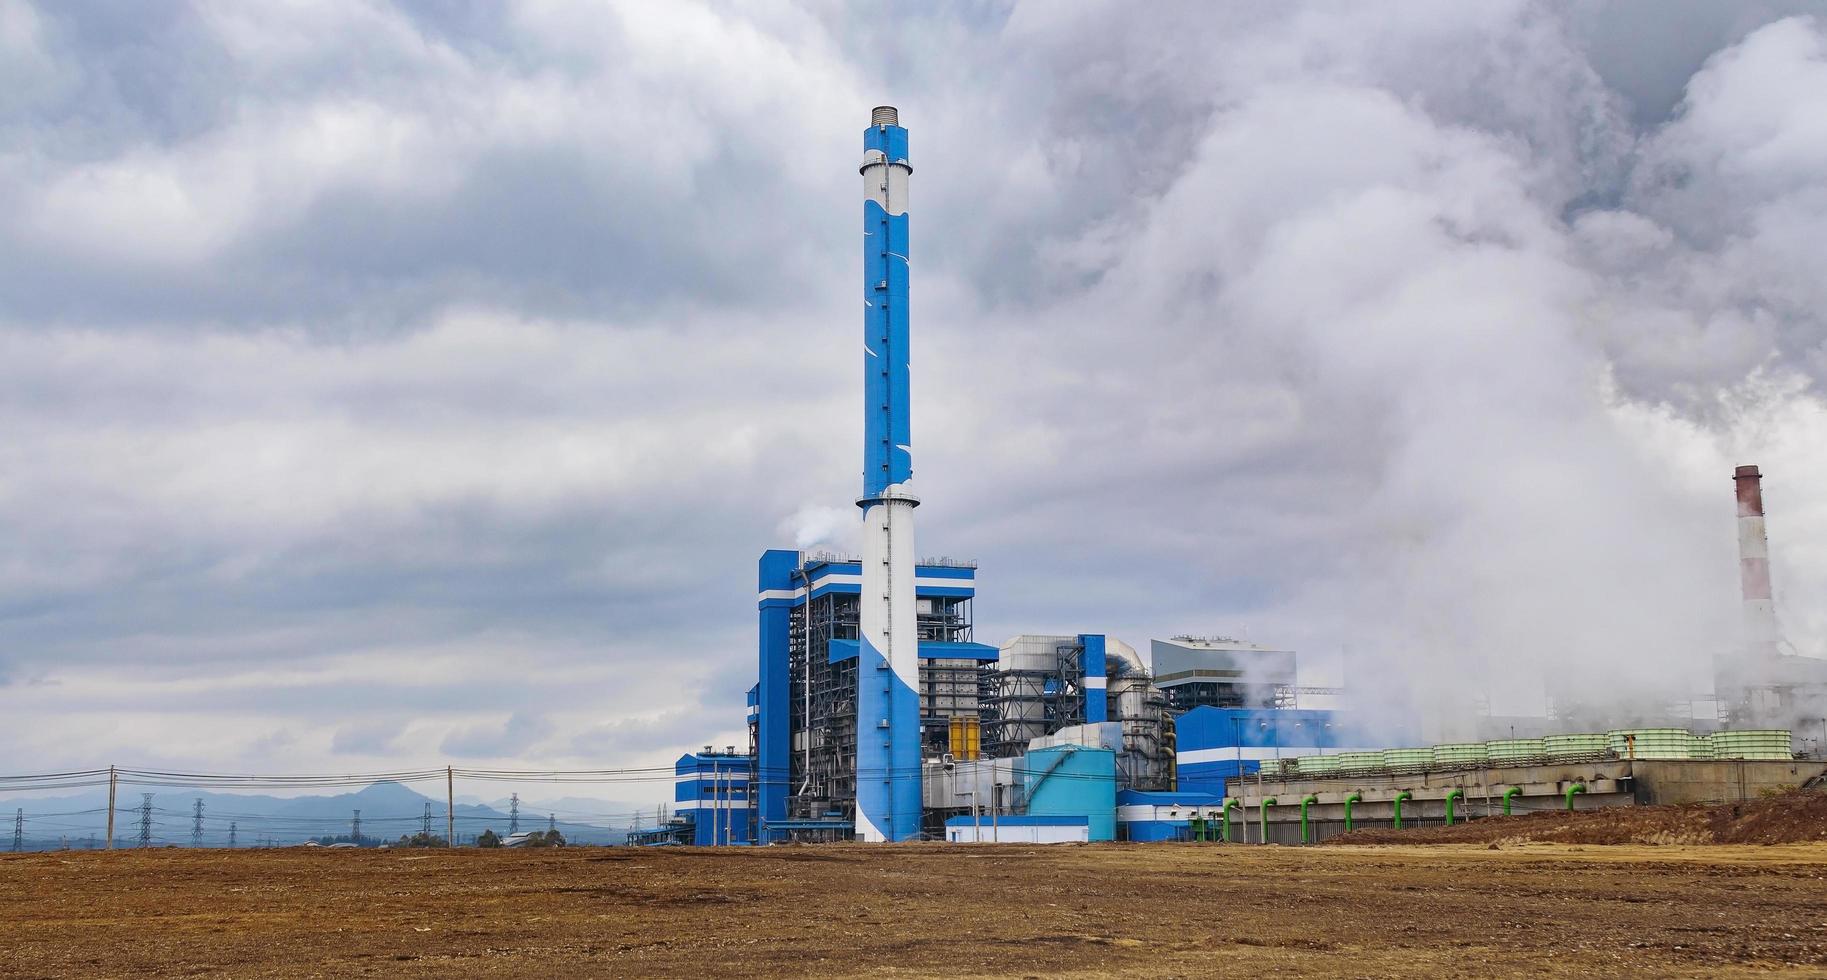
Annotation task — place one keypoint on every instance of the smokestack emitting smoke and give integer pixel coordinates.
(888, 666)
(1754, 564)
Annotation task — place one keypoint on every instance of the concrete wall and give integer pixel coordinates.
(1612, 783)
(1722, 781)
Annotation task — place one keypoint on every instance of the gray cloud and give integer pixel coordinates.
(416, 381)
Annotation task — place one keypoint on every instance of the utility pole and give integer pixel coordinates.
(355, 828)
(425, 821)
(18, 830)
(231, 833)
(196, 823)
(514, 814)
(450, 808)
(113, 780)
(145, 819)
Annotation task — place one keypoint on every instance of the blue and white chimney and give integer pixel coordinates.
(888, 668)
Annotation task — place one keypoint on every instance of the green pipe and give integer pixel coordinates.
(1263, 818)
(1457, 794)
(1225, 827)
(1353, 798)
(1508, 795)
(1308, 801)
(1404, 795)
(1575, 788)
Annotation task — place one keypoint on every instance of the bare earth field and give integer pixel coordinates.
(921, 910)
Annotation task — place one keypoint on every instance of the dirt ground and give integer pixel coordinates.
(920, 910)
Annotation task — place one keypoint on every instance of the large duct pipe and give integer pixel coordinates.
(888, 666)
(1754, 565)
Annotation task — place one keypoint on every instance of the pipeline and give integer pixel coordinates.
(1349, 800)
(1169, 736)
(1575, 788)
(1225, 826)
(1456, 794)
(1404, 795)
(1508, 795)
(1263, 819)
(1306, 802)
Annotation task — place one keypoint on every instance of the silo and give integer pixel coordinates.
(1766, 743)
(1651, 743)
(1581, 745)
(1514, 751)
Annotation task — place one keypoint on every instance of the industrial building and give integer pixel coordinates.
(878, 715)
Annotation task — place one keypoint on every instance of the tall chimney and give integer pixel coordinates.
(888, 663)
(1754, 565)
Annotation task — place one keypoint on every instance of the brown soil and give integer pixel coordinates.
(1787, 819)
(919, 910)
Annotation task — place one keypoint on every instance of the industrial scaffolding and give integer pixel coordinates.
(1023, 703)
(823, 695)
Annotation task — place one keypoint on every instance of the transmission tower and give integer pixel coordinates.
(145, 819)
(551, 823)
(425, 820)
(355, 827)
(18, 830)
(196, 823)
(231, 833)
(514, 814)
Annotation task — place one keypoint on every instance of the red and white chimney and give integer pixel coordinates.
(1754, 564)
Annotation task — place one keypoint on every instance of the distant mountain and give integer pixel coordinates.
(389, 810)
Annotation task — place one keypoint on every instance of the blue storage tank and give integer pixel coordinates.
(1074, 781)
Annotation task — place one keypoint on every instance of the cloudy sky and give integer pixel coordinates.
(412, 384)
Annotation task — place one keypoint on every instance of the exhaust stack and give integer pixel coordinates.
(1754, 566)
(888, 666)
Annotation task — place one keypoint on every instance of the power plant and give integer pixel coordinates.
(878, 715)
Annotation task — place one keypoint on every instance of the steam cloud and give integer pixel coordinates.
(400, 387)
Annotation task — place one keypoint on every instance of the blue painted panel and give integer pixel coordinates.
(887, 768)
(1208, 727)
(1136, 797)
(1096, 698)
(773, 739)
(841, 650)
(1071, 780)
(1155, 831)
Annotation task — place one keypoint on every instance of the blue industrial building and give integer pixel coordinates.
(877, 716)
(711, 793)
(1218, 745)
(1164, 816)
(809, 722)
